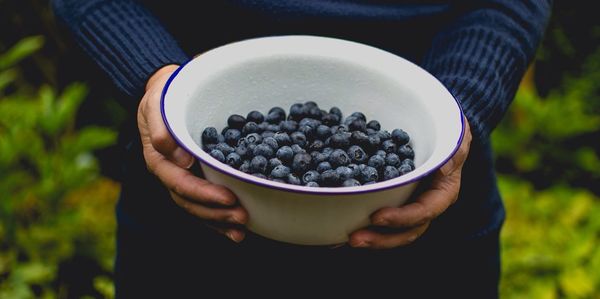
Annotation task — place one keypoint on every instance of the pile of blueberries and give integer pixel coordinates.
(311, 147)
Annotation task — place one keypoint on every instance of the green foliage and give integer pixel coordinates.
(53, 203)
(550, 242)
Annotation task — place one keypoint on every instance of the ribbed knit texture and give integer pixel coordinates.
(124, 39)
(482, 58)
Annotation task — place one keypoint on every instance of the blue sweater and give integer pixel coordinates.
(478, 49)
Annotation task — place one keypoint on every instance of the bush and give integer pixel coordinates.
(55, 208)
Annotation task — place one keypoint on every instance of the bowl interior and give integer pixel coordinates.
(280, 71)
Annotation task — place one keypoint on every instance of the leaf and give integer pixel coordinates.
(89, 139)
(21, 50)
(7, 77)
(68, 103)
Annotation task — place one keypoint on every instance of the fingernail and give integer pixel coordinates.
(231, 236)
(380, 221)
(234, 219)
(448, 167)
(360, 244)
(183, 158)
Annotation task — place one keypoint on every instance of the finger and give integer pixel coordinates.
(160, 137)
(367, 238)
(185, 184)
(234, 234)
(235, 215)
(429, 205)
(458, 159)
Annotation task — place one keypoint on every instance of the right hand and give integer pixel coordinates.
(170, 163)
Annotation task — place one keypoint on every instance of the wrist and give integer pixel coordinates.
(167, 69)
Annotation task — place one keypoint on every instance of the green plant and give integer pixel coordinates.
(54, 205)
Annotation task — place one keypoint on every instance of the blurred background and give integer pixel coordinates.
(58, 125)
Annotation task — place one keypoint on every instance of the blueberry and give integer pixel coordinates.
(350, 183)
(377, 162)
(318, 157)
(266, 134)
(336, 111)
(288, 126)
(390, 172)
(253, 138)
(381, 153)
(349, 120)
(299, 138)
(259, 164)
(329, 178)
(307, 131)
(279, 111)
(297, 111)
(245, 167)
(297, 149)
(221, 138)
(273, 128)
(340, 140)
(344, 173)
(224, 130)
(357, 125)
(323, 166)
(389, 146)
(359, 115)
(404, 169)
(282, 138)
(225, 148)
(384, 135)
(328, 150)
(236, 121)
(250, 127)
(272, 142)
(280, 172)
(209, 147)
(392, 159)
(374, 125)
(209, 136)
(322, 132)
(217, 154)
(400, 137)
(314, 112)
(301, 162)
(330, 119)
(293, 179)
(234, 160)
(274, 118)
(355, 169)
(262, 126)
(339, 158)
(357, 154)
(311, 176)
(255, 116)
(273, 162)
(312, 184)
(410, 163)
(316, 145)
(373, 143)
(369, 174)
(311, 122)
(311, 104)
(260, 175)
(263, 150)
(406, 152)
(232, 136)
(285, 154)
(359, 138)
(371, 131)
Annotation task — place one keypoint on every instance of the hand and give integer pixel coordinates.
(400, 226)
(170, 163)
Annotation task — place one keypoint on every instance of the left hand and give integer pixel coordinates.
(403, 225)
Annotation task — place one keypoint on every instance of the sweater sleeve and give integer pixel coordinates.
(482, 56)
(124, 39)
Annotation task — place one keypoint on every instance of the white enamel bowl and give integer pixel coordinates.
(258, 74)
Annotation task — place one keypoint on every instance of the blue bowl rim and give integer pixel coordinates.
(268, 184)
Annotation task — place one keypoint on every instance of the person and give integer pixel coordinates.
(443, 244)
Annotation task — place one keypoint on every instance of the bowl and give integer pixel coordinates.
(260, 73)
